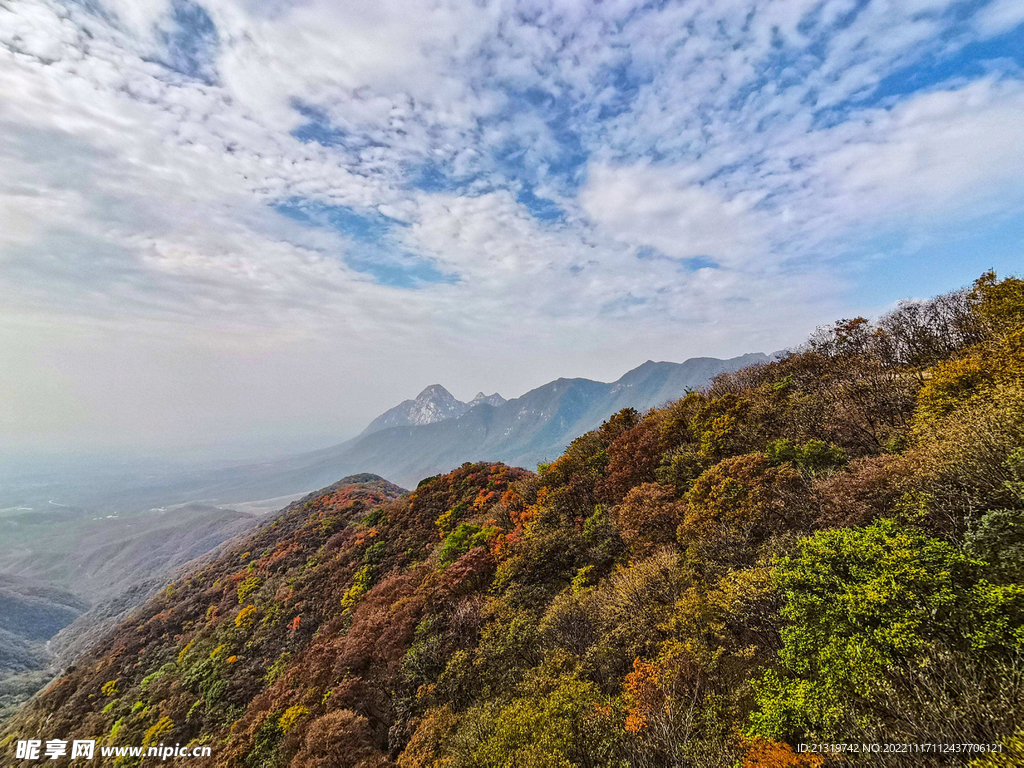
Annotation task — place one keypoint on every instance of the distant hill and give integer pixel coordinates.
(528, 429)
(30, 613)
(183, 539)
(66, 576)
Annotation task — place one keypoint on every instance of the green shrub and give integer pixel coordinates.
(463, 539)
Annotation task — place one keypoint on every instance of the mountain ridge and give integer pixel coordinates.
(557, 412)
(519, 432)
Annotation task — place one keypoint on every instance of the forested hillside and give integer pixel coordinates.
(825, 548)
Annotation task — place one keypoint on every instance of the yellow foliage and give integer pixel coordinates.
(951, 383)
(961, 458)
(246, 616)
(705, 617)
(291, 716)
(109, 688)
(247, 587)
(360, 586)
(1011, 756)
(155, 734)
(997, 361)
(738, 503)
(431, 742)
(445, 522)
(184, 651)
(1001, 302)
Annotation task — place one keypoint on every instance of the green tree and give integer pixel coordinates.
(862, 602)
(462, 539)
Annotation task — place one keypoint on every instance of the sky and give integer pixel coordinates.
(251, 225)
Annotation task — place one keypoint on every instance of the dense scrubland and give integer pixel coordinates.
(825, 548)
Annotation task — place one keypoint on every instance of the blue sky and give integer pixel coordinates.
(224, 216)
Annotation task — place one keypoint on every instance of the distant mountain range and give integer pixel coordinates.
(436, 432)
(433, 433)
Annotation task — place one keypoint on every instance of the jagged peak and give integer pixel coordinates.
(492, 399)
(435, 391)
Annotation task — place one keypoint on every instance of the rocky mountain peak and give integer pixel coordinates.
(494, 399)
(436, 393)
(434, 403)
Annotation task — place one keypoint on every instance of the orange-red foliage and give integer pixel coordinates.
(772, 754)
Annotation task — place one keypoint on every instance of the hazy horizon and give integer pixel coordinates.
(240, 225)
(240, 446)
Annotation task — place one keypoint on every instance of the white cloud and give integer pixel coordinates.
(999, 17)
(668, 209)
(938, 152)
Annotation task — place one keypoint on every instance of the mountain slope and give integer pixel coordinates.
(314, 562)
(527, 429)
